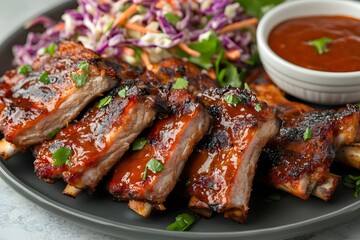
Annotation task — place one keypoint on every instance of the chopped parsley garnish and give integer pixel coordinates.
(123, 91)
(182, 222)
(52, 134)
(321, 44)
(84, 66)
(258, 107)
(25, 69)
(80, 79)
(62, 156)
(232, 100)
(272, 197)
(153, 165)
(246, 87)
(353, 182)
(50, 49)
(226, 72)
(307, 134)
(172, 18)
(258, 8)
(104, 102)
(180, 83)
(44, 78)
(139, 144)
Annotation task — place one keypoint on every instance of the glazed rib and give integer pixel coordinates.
(170, 141)
(298, 166)
(97, 140)
(171, 69)
(34, 108)
(221, 169)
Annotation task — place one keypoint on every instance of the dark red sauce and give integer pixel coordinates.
(290, 40)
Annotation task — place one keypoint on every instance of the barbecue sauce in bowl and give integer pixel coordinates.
(337, 39)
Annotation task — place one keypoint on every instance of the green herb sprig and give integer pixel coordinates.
(153, 165)
(25, 69)
(44, 78)
(81, 79)
(321, 44)
(104, 102)
(139, 144)
(180, 83)
(182, 222)
(62, 156)
(352, 182)
(307, 134)
(232, 100)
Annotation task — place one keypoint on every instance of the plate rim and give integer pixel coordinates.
(82, 218)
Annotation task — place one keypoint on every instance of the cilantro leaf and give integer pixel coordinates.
(104, 102)
(353, 182)
(180, 83)
(232, 100)
(61, 156)
(182, 222)
(230, 76)
(153, 165)
(52, 134)
(258, 8)
(44, 78)
(49, 49)
(321, 44)
(123, 91)
(79, 79)
(246, 87)
(84, 66)
(172, 18)
(25, 69)
(258, 107)
(307, 134)
(139, 144)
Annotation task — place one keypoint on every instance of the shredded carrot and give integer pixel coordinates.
(233, 54)
(139, 28)
(126, 14)
(211, 74)
(146, 60)
(60, 26)
(159, 5)
(238, 25)
(188, 50)
(128, 51)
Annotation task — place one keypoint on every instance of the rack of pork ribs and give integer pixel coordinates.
(209, 137)
(298, 165)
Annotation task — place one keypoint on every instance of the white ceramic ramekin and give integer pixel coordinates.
(328, 88)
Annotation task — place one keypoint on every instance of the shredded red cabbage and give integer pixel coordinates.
(92, 23)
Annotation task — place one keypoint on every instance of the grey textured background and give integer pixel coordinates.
(22, 219)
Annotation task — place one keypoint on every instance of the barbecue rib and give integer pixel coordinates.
(221, 169)
(97, 140)
(47, 98)
(170, 141)
(299, 166)
(171, 69)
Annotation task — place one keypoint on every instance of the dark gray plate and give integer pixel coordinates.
(278, 220)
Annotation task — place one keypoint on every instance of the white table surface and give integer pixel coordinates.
(22, 219)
